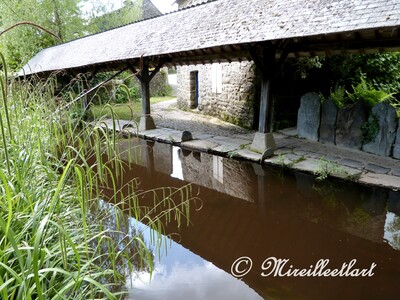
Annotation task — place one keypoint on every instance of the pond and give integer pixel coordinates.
(283, 234)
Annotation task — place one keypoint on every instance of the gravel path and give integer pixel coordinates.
(166, 114)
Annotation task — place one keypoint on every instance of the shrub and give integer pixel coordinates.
(370, 95)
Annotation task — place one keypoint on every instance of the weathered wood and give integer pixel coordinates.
(266, 104)
(145, 88)
(156, 69)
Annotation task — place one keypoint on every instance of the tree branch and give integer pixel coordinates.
(31, 24)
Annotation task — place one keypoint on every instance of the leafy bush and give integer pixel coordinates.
(338, 96)
(370, 129)
(366, 92)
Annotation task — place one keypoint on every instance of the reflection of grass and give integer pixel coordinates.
(126, 111)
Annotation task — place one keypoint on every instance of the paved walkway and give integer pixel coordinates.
(215, 136)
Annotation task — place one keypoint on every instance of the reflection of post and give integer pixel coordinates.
(261, 188)
(149, 155)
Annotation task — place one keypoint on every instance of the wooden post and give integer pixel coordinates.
(146, 121)
(266, 103)
(145, 88)
(263, 141)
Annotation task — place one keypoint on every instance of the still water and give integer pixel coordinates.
(254, 213)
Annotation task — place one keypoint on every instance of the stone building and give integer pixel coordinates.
(223, 90)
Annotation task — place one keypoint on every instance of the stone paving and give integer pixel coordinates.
(221, 138)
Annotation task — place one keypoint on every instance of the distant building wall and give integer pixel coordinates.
(225, 90)
(226, 176)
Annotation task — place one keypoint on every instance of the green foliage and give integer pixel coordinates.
(381, 71)
(304, 65)
(59, 238)
(366, 92)
(370, 129)
(63, 18)
(129, 13)
(326, 168)
(338, 96)
(126, 94)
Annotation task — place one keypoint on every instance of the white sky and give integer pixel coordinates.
(165, 5)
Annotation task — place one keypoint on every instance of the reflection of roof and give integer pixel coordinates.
(218, 30)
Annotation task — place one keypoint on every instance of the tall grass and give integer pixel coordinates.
(58, 238)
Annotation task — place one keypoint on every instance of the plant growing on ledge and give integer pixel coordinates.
(370, 129)
(365, 91)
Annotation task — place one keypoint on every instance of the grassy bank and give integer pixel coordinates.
(58, 238)
(126, 111)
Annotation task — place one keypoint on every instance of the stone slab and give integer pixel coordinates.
(154, 133)
(382, 180)
(396, 172)
(328, 122)
(250, 155)
(308, 165)
(351, 163)
(200, 145)
(288, 159)
(232, 141)
(386, 116)
(225, 149)
(377, 169)
(348, 125)
(202, 136)
(396, 147)
(308, 117)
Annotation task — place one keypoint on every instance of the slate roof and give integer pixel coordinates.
(219, 30)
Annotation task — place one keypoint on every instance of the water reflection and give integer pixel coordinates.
(251, 210)
(181, 275)
(177, 171)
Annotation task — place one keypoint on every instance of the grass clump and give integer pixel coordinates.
(129, 111)
(57, 238)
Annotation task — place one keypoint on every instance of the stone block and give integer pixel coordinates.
(328, 122)
(386, 116)
(396, 148)
(264, 143)
(146, 123)
(308, 117)
(348, 125)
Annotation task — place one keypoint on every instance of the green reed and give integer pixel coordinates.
(58, 238)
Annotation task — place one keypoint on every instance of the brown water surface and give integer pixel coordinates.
(262, 213)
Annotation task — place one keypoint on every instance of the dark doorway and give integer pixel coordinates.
(194, 89)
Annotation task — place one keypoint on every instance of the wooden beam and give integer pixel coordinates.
(156, 69)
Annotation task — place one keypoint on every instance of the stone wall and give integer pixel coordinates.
(226, 176)
(235, 102)
(352, 126)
